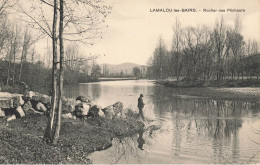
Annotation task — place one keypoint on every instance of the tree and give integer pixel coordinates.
(160, 60)
(176, 57)
(137, 72)
(96, 71)
(221, 48)
(81, 25)
(27, 43)
(4, 6)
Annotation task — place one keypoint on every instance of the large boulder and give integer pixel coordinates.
(84, 99)
(27, 106)
(6, 100)
(40, 107)
(94, 111)
(118, 107)
(29, 94)
(68, 116)
(33, 111)
(13, 117)
(2, 113)
(130, 113)
(81, 110)
(101, 113)
(68, 105)
(91, 104)
(19, 112)
(17, 100)
(109, 111)
(45, 99)
(6, 103)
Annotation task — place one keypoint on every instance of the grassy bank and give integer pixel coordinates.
(21, 139)
(211, 83)
(216, 91)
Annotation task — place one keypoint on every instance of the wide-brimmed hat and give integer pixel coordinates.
(141, 95)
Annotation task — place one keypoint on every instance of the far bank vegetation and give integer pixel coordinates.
(200, 55)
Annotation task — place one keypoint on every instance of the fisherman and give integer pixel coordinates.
(141, 106)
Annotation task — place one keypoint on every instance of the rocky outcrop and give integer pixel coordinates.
(27, 106)
(84, 99)
(109, 111)
(19, 111)
(2, 113)
(40, 107)
(17, 106)
(81, 110)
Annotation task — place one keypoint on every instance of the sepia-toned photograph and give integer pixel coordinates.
(129, 82)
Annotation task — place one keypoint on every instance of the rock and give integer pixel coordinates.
(64, 99)
(109, 111)
(68, 116)
(6, 103)
(130, 113)
(13, 117)
(29, 94)
(27, 106)
(5, 95)
(2, 113)
(40, 107)
(77, 102)
(17, 100)
(84, 99)
(36, 97)
(28, 109)
(101, 113)
(68, 105)
(81, 110)
(19, 111)
(118, 107)
(94, 110)
(91, 104)
(70, 108)
(123, 115)
(45, 99)
(118, 115)
(33, 111)
(70, 101)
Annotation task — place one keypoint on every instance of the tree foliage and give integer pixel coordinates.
(201, 53)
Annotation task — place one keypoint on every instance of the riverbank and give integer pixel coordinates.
(115, 79)
(211, 83)
(86, 127)
(21, 139)
(217, 91)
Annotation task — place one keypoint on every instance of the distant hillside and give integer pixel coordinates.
(124, 69)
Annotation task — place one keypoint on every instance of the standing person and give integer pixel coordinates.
(141, 106)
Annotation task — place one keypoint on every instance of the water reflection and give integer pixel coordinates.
(140, 140)
(194, 129)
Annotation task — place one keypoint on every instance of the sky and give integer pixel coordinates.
(133, 30)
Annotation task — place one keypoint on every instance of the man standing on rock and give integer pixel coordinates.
(141, 106)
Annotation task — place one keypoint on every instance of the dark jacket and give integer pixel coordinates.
(140, 102)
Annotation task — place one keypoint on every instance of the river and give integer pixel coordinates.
(193, 129)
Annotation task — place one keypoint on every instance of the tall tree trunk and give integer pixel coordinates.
(23, 55)
(49, 132)
(14, 54)
(59, 109)
(9, 64)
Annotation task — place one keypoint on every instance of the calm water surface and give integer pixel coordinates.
(193, 129)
